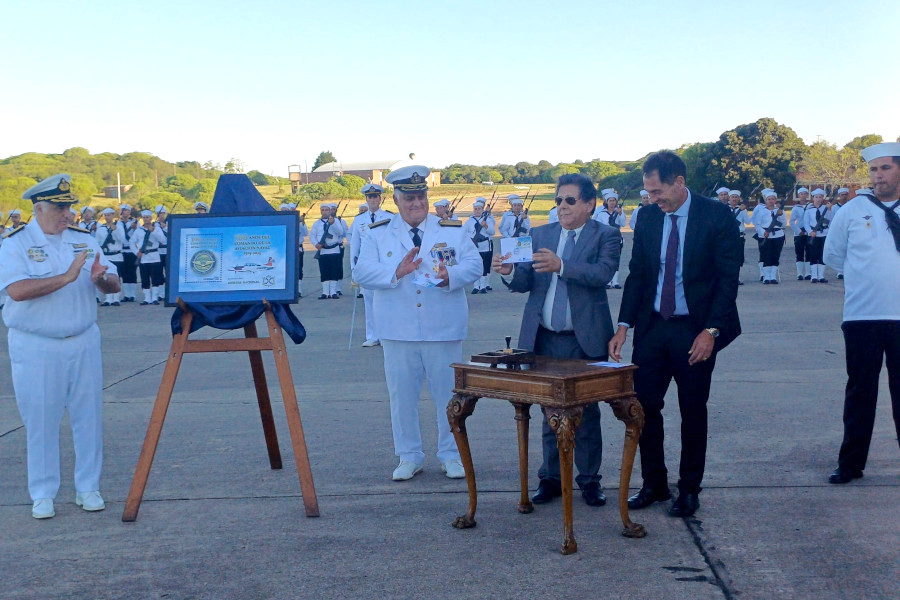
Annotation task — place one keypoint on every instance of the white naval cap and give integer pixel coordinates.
(146, 213)
(801, 190)
(160, 209)
(442, 202)
(84, 209)
(514, 199)
(479, 201)
(645, 193)
(292, 206)
(723, 189)
(413, 178)
(859, 192)
(843, 190)
(734, 193)
(372, 188)
(886, 149)
(818, 192)
(611, 195)
(284, 206)
(15, 211)
(201, 205)
(56, 189)
(769, 193)
(605, 192)
(107, 211)
(124, 207)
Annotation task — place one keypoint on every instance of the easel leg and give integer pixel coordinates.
(458, 410)
(523, 415)
(157, 418)
(292, 410)
(262, 397)
(630, 412)
(564, 423)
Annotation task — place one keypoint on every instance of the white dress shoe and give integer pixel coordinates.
(43, 509)
(370, 343)
(406, 470)
(90, 501)
(453, 469)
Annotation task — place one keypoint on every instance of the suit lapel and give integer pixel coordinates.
(654, 237)
(586, 239)
(692, 231)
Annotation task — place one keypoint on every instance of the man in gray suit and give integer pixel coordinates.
(567, 316)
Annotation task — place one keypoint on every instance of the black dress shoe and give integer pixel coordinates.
(593, 495)
(808, 277)
(547, 490)
(840, 275)
(646, 497)
(799, 277)
(686, 505)
(474, 290)
(323, 297)
(489, 288)
(840, 475)
(617, 286)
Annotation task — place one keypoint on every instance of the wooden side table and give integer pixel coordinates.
(562, 387)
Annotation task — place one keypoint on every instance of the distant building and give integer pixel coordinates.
(371, 172)
(110, 190)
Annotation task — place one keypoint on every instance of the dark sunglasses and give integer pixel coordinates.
(569, 200)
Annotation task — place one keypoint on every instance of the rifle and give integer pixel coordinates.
(750, 195)
(821, 220)
(303, 216)
(105, 245)
(773, 225)
(455, 204)
(489, 207)
(530, 202)
(146, 241)
(713, 189)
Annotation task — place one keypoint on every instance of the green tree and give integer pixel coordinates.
(352, 184)
(323, 158)
(260, 178)
(601, 169)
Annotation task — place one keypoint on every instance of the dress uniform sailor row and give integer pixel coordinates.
(327, 234)
(801, 234)
(129, 260)
(360, 228)
(610, 213)
(817, 220)
(111, 237)
(480, 228)
(515, 222)
(770, 223)
(145, 243)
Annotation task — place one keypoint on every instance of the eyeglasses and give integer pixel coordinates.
(570, 200)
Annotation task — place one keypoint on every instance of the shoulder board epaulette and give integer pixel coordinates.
(78, 229)
(390, 212)
(379, 223)
(450, 223)
(14, 231)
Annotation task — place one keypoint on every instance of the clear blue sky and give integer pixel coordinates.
(274, 83)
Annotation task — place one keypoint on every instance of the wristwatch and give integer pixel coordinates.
(713, 332)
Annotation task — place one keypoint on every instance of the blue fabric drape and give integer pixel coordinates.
(236, 194)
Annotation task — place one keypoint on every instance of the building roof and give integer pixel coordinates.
(375, 165)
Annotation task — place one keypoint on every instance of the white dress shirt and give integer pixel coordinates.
(682, 214)
(547, 310)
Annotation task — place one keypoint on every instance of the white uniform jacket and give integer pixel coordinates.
(301, 235)
(336, 233)
(552, 216)
(129, 234)
(798, 218)
(741, 216)
(29, 254)
(403, 310)
(487, 230)
(508, 224)
(154, 240)
(601, 215)
(812, 216)
(112, 250)
(359, 228)
(763, 219)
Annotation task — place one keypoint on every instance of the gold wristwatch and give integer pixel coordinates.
(713, 332)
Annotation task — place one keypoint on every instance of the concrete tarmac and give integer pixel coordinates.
(218, 523)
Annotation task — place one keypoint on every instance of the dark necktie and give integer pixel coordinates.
(561, 299)
(893, 220)
(371, 214)
(667, 299)
(612, 219)
(417, 241)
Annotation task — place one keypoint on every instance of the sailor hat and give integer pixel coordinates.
(769, 193)
(818, 192)
(881, 151)
(56, 189)
(514, 199)
(734, 193)
(284, 206)
(801, 190)
(606, 192)
(859, 192)
(722, 189)
(201, 205)
(843, 190)
(611, 195)
(372, 188)
(160, 209)
(15, 211)
(84, 209)
(146, 213)
(645, 193)
(107, 211)
(125, 207)
(442, 202)
(479, 202)
(292, 206)
(413, 178)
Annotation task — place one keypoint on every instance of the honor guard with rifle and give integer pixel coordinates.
(201, 208)
(145, 243)
(480, 228)
(327, 234)
(15, 218)
(610, 213)
(801, 234)
(515, 223)
(770, 224)
(50, 271)
(162, 216)
(419, 267)
(645, 200)
(553, 216)
(817, 221)
(723, 194)
(129, 261)
(739, 210)
(87, 219)
(374, 194)
(442, 209)
(111, 238)
(339, 217)
(843, 196)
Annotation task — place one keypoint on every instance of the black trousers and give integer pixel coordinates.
(743, 248)
(770, 252)
(300, 266)
(330, 267)
(128, 273)
(486, 258)
(815, 250)
(868, 344)
(151, 275)
(588, 437)
(661, 355)
(801, 245)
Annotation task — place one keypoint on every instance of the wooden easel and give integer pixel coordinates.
(254, 345)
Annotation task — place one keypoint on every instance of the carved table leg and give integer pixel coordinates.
(458, 410)
(523, 415)
(564, 422)
(630, 412)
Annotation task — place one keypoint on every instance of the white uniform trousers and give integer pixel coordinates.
(368, 299)
(50, 376)
(406, 365)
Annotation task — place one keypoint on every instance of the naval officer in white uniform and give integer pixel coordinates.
(51, 272)
(360, 227)
(419, 267)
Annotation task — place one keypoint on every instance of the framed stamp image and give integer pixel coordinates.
(232, 258)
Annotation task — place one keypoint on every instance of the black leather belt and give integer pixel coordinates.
(565, 332)
(673, 317)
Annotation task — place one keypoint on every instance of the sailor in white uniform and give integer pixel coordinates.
(645, 200)
(419, 266)
(111, 238)
(359, 229)
(128, 273)
(770, 223)
(723, 193)
(742, 217)
(516, 222)
(145, 244)
(162, 222)
(50, 271)
(801, 235)
(327, 234)
(201, 208)
(817, 219)
(480, 228)
(610, 213)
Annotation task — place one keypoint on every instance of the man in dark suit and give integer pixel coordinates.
(680, 299)
(567, 316)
